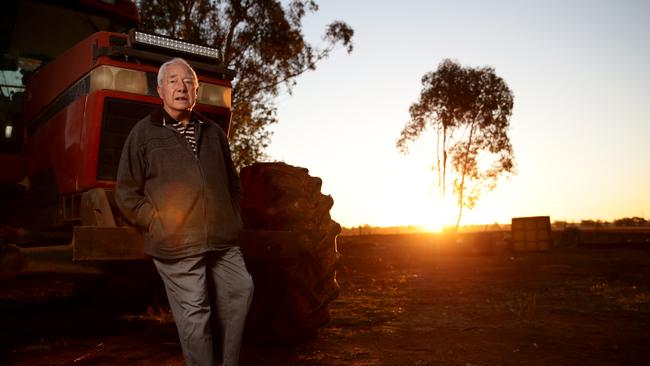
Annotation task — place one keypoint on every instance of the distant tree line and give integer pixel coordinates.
(623, 222)
(632, 221)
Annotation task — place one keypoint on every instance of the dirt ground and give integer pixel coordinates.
(405, 300)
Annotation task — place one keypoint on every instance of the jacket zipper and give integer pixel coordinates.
(198, 165)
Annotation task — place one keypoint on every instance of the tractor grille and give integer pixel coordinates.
(119, 117)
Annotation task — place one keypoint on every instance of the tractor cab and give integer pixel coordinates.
(33, 33)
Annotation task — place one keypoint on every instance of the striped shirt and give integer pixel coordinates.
(188, 131)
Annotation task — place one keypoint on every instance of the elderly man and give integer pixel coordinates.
(177, 184)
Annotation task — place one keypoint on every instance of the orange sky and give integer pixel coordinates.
(580, 126)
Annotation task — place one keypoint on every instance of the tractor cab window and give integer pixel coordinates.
(12, 90)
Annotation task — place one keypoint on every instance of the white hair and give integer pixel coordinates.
(176, 60)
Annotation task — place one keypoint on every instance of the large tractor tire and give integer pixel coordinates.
(292, 296)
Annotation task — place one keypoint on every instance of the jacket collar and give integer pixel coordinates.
(161, 118)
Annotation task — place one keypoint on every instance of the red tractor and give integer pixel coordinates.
(76, 76)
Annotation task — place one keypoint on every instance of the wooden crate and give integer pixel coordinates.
(531, 234)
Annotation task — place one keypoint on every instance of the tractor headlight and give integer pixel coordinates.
(216, 95)
(9, 131)
(135, 81)
(117, 78)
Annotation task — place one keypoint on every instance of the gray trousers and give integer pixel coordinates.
(209, 295)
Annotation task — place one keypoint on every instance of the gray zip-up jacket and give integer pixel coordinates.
(183, 204)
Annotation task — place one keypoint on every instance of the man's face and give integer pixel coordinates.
(178, 89)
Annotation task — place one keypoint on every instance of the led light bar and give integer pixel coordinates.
(173, 44)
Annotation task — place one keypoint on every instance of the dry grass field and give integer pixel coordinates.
(405, 300)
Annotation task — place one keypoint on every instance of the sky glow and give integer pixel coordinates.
(580, 128)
